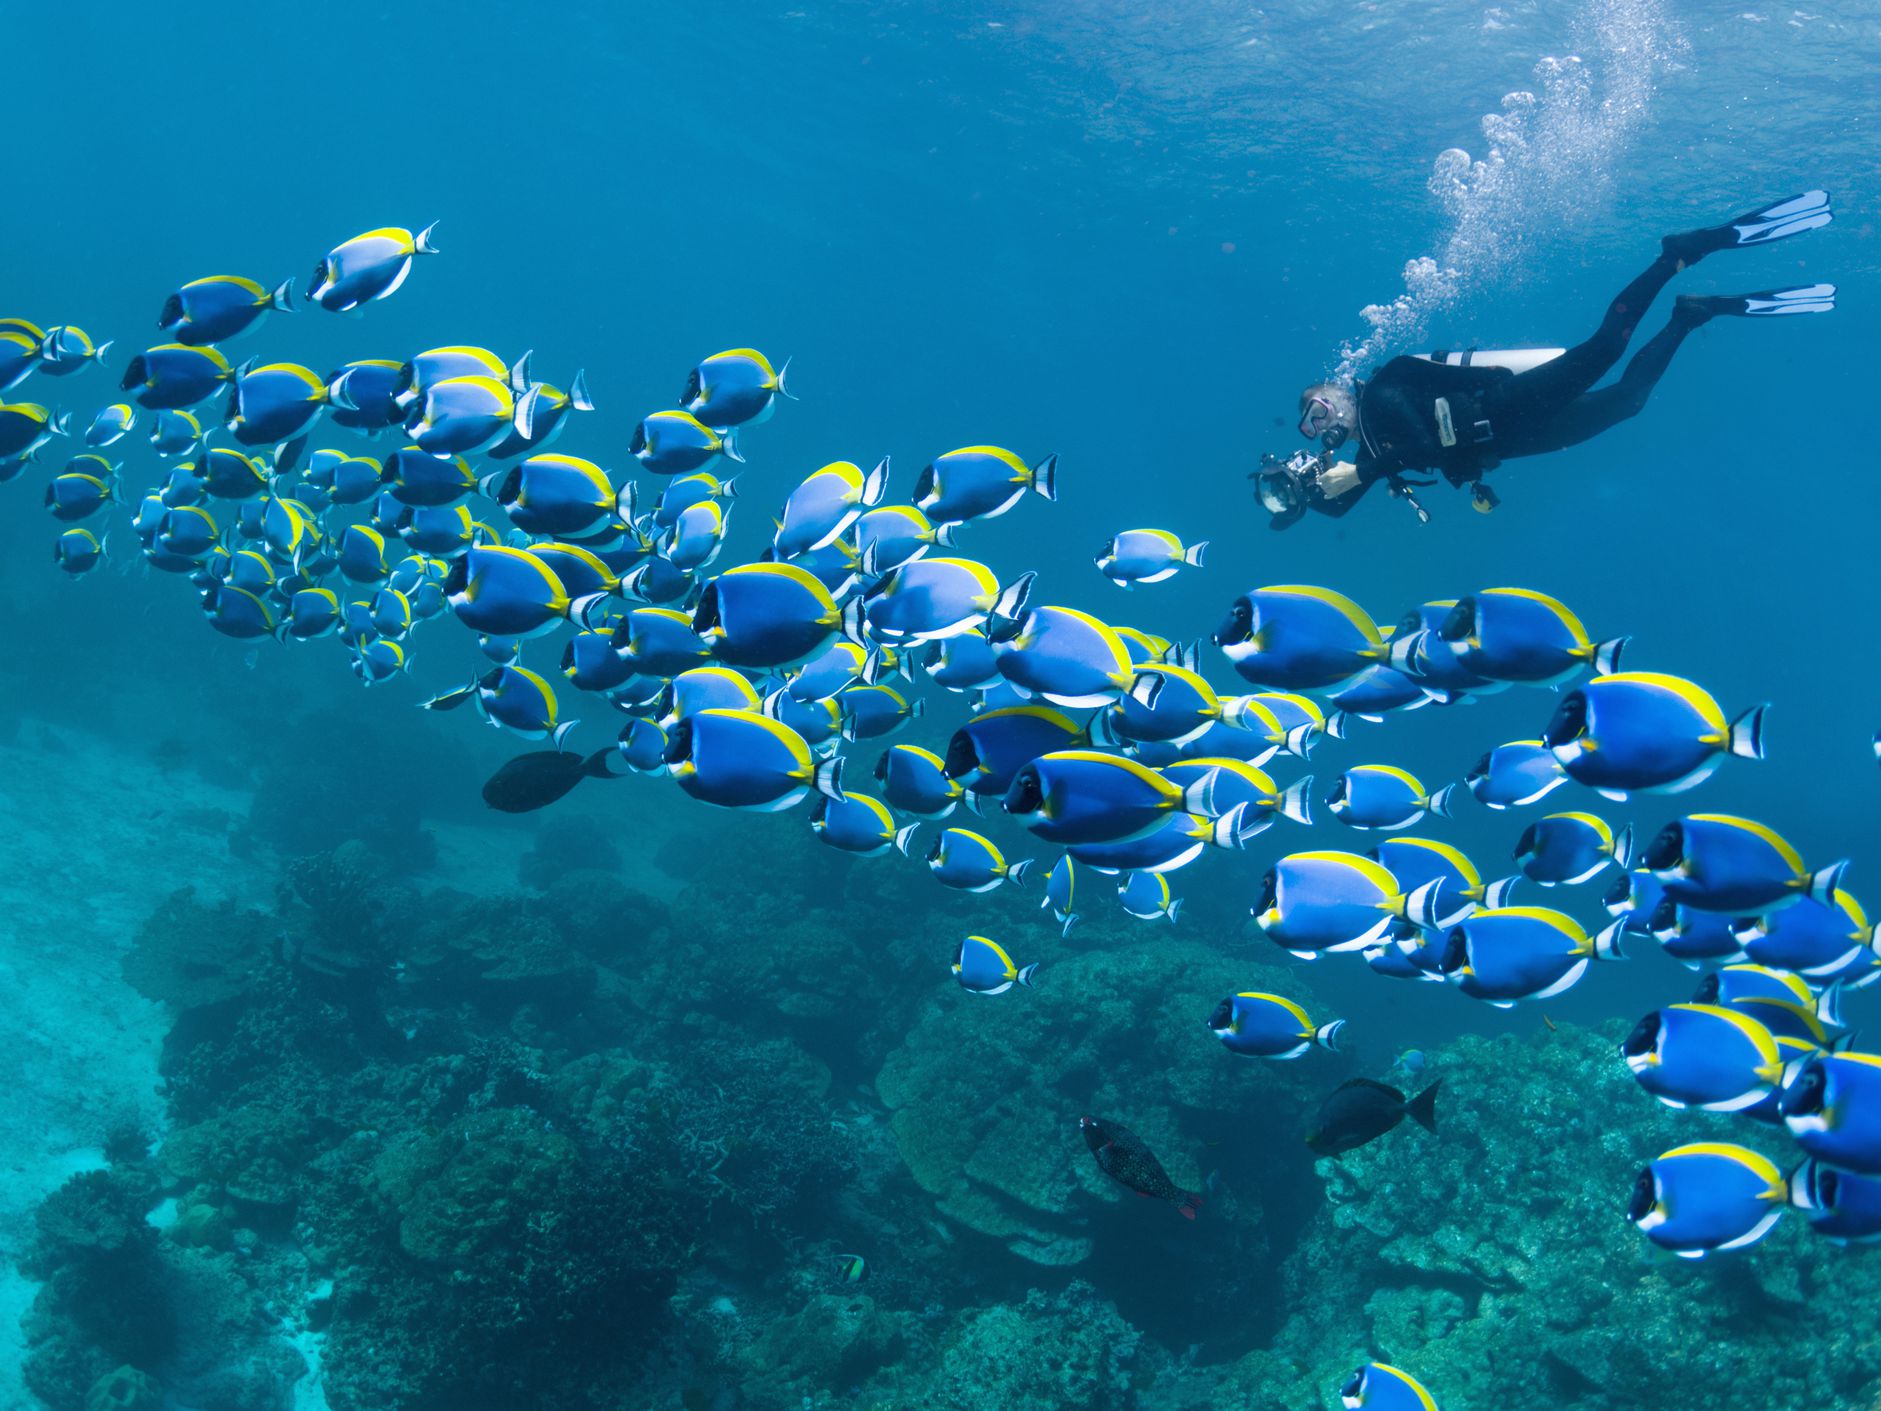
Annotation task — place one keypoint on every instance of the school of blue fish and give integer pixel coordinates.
(755, 685)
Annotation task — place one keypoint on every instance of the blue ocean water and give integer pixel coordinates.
(1126, 235)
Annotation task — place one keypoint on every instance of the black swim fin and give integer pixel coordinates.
(1767, 303)
(1791, 216)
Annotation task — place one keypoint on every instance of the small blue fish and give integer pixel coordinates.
(86, 485)
(1080, 796)
(367, 267)
(704, 688)
(825, 504)
(237, 613)
(26, 426)
(932, 599)
(67, 349)
(1262, 1025)
(1319, 902)
(1842, 1207)
(915, 781)
(873, 712)
(1566, 849)
(1371, 696)
(363, 395)
(378, 661)
(1718, 862)
(697, 537)
(984, 968)
(1515, 775)
(216, 309)
(1164, 702)
(1644, 732)
(1062, 892)
(987, 752)
(893, 535)
(1693, 937)
(227, 474)
(554, 494)
(311, 613)
(172, 433)
(855, 823)
(1832, 1107)
(1066, 656)
(643, 746)
(1819, 940)
(684, 491)
(1709, 1196)
(734, 388)
(273, 403)
(417, 478)
(462, 416)
(342, 479)
(839, 665)
(1146, 896)
(740, 759)
(980, 482)
(964, 662)
(174, 377)
(1378, 1386)
(78, 551)
(391, 614)
(1704, 1055)
(1146, 556)
(967, 861)
(819, 722)
(677, 443)
(765, 615)
(505, 592)
(1295, 637)
(1382, 796)
(186, 532)
(1501, 955)
(660, 641)
(110, 425)
(1517, 634)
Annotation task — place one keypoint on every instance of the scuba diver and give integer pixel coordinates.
(1462, 413)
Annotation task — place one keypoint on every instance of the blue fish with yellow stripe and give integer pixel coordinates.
(1645, 732)
(1261, 1025)
(983, 967)
(1297, 637)
(1706, 1197)
(741, 759)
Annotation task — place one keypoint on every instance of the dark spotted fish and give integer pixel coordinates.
(1124, 1158)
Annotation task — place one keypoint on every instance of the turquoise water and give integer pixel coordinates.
(1124, 236)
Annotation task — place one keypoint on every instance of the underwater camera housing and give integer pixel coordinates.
(1288, 488)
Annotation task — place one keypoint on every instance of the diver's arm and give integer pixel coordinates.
(1339, 487)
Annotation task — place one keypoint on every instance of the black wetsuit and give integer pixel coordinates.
(1463, 420)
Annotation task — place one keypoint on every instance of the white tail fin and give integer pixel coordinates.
(1295, 801)
(1194, 553)
(1026, 972)
(578, 396)
(904, 839)
(283, 296)
(1829, 1006)
(1231, 830)
(524, 417)
(827, 777)
(1302, 737)
(424, 244)
(1607, 656)
(1607, 941)
(1327, 1035)
(1199, 797)
(1044, 479)
(854, 622)
(1335, 724)
(1623, 848)
(728, 447)
(1440, 801)
(1146, 686)
(1016, 872)
(1825, 882)
(560, 733)
(519, 372)
(1746, 733)
(875, 483)
(1010, 604)
(1175, 908)
(1496, 894)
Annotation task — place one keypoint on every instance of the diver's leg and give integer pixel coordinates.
(1537, 393)
(1594, 412)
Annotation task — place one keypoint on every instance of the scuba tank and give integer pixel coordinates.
(1514, 359)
